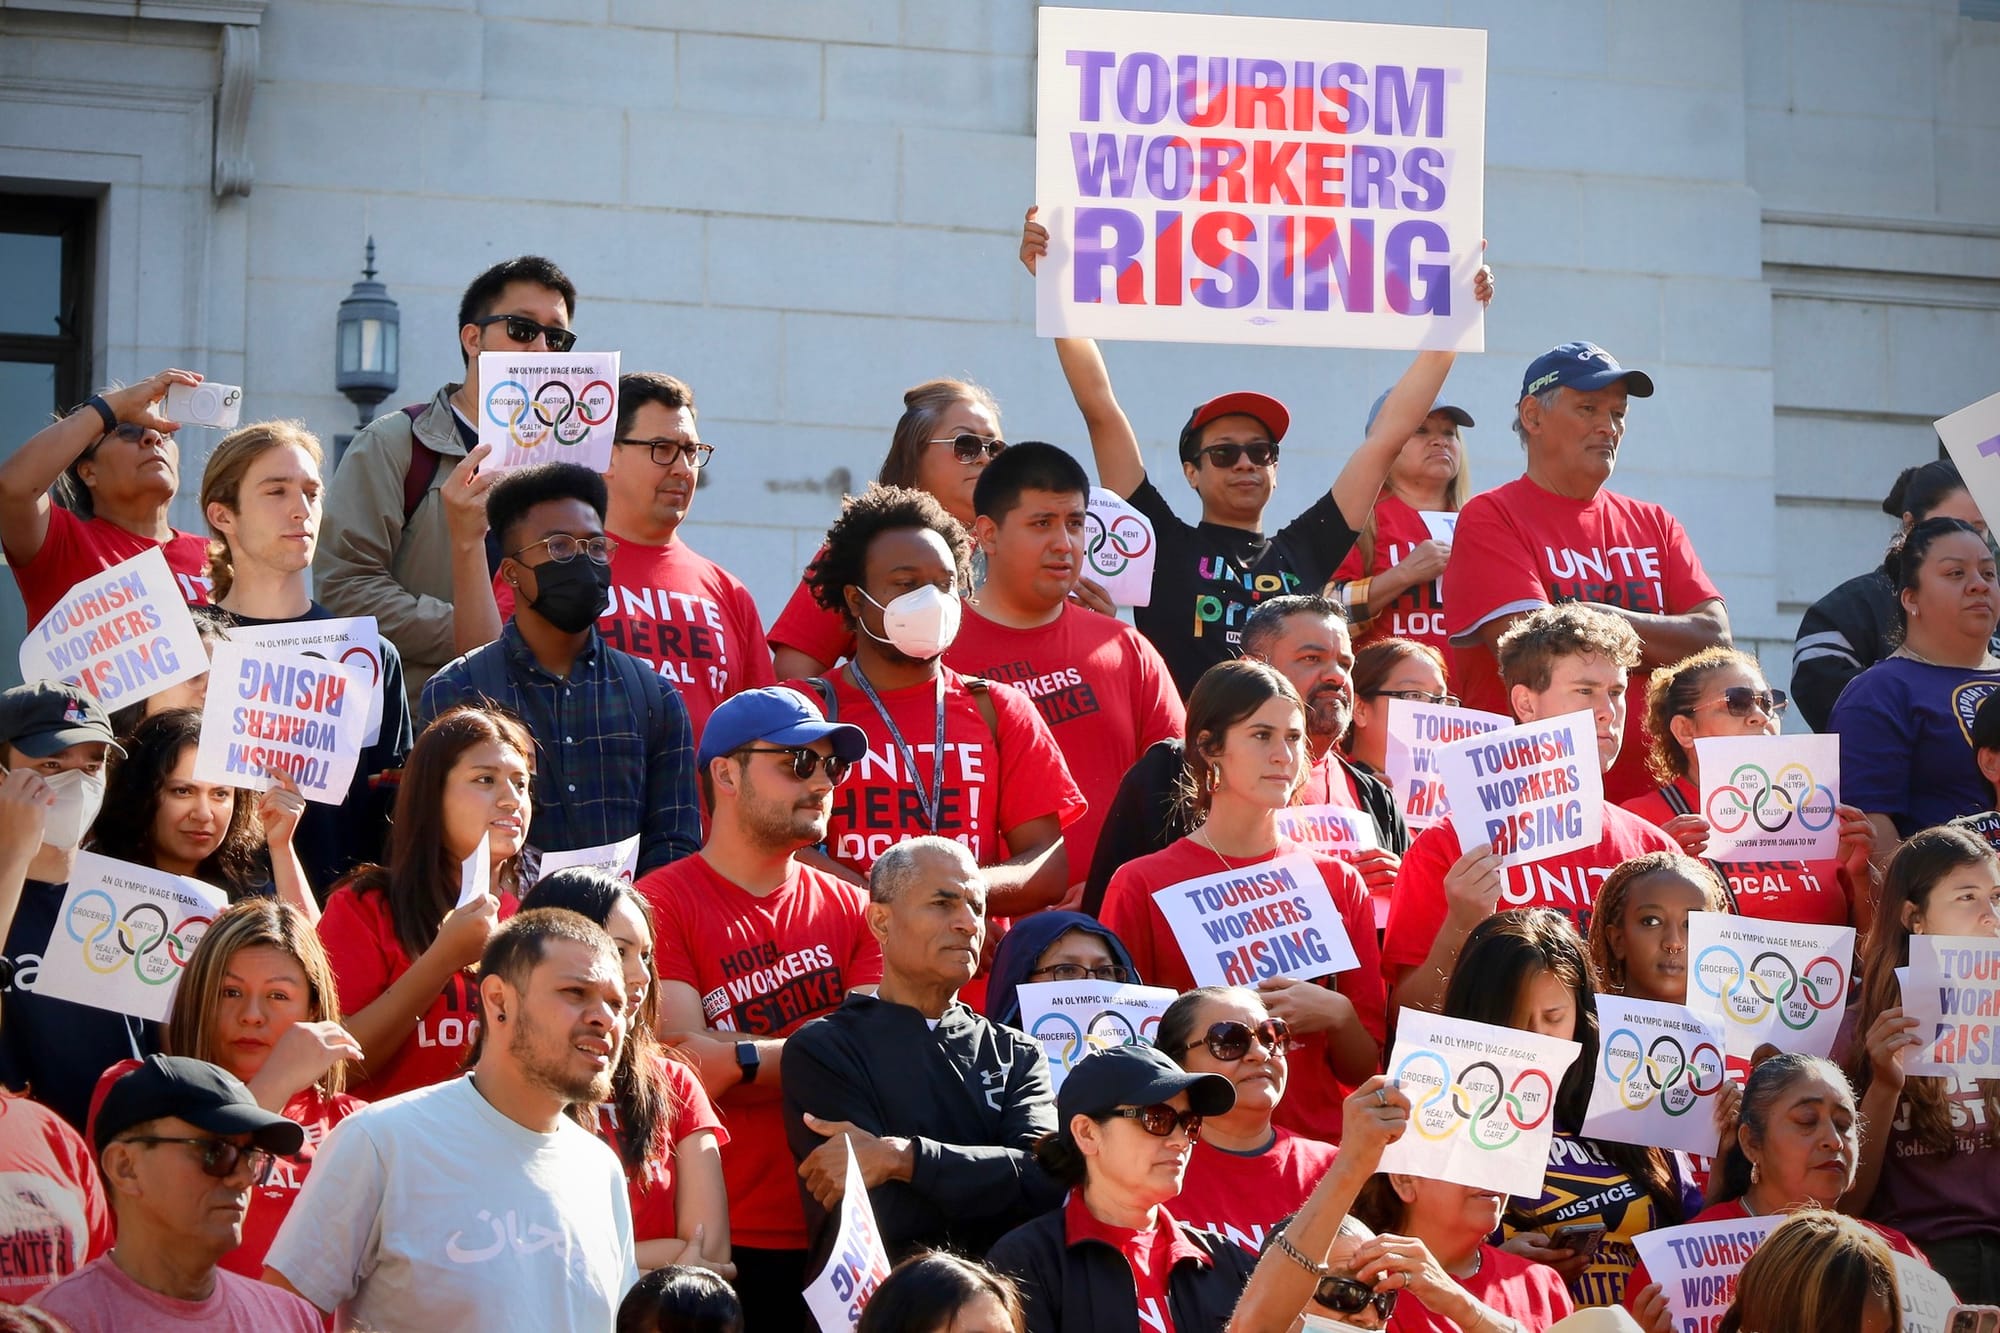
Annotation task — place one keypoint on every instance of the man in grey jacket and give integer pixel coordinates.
(384, 550)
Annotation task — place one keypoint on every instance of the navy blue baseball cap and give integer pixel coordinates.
(779, 716)
(1583, 366)
(1458, 414)
(1137, 1076)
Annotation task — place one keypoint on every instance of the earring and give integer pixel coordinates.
(1756, 1173)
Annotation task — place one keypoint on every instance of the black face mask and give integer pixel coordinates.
(571, 596)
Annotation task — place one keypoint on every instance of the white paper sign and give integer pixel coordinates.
(1530, 791)
(123, 934)
(1773, 981)
(1952, 989)
(1417, 731)
(613, 858)
(1072, 1019)
(123, 635)
(353, 641)
(1272, 919)
(1337, 830)
(1443, 524)
(547, 407)
(1482, 1101)
(1119, 549)
(1696, 1265)
(1770, 798)
(1972, 436)
(1927, 1298)
(276, 708)
(1277, 182)
(1659, 1069)
(857, 1263)
(475, 874)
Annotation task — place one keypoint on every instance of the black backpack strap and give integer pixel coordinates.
(982, 699)
(824, 689)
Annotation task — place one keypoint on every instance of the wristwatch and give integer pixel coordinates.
(747, 1060)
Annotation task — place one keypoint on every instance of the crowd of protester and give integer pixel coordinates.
(949, 770)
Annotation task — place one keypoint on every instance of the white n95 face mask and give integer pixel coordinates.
(79, 796)
(921, 623)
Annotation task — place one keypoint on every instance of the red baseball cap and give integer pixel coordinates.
(1268, 411)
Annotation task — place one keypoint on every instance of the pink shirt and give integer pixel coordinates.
(99, 1298)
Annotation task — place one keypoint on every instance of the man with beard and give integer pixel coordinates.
(479, 1203)
(750, 943)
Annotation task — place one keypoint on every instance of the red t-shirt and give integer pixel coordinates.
(1242, 1195)
(53, 1217)
(76, 548)
(1418, 612)
(1101, 688)
(360, 940)
(1151, 1254)
(1534, 548)
(1568, 882)
(686, 617)
(1520, 1289)
(763, 966)
(1812, 893)
(986, 795)
(1328, 783)
(1312, 1100)
(804, 624)
(272, 1201)
(651, 1187)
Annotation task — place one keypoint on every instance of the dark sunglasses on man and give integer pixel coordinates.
(805, 762)
(1262, 453)
(969, 448)
(1346, 1295)
(1230, 1040)
(219, 1157)
(524, 331)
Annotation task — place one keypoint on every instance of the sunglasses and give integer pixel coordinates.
(1263, 453)
(969, 448)
(1160, 1119)
(524, 331)
(564, 548)
(1346, 1295)
(1416, 697)
(1740, 699)
(668, 452)
(1078, 972)
(219, 1157)
(1230, 1040)
(805, 763)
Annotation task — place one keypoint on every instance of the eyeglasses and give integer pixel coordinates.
(564, 548)
(1416, 697)
(668, 452)
(131, 432)
(1078, 972)
(967, 448)
(805, 763)
(1230, 1040)
(1160, 1119)
(1263, 453)
(219, 1157)
(524, 331)
(1346, 1295)
(1740, 699)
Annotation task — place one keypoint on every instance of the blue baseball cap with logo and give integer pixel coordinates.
(1584, 366)
(779, 716)
(1458, 414)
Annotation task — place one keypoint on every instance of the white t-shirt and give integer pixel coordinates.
(433, 1210)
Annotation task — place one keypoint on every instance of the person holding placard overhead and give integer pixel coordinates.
(1245, 757)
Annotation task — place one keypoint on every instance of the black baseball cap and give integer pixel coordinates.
(1137, 1076)
(43, 718)
(198, 1092)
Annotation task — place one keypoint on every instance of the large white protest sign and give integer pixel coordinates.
(1119, 549)
(1530, 791)
(1072, 1019)
(1972, 436)
(1770, 798)
(475, 874)
(1773, 982)
(1417, 731)
(1482, 1101)
(547, 407)
(1952, 989)
(1659, 1069)
(1271, 919)
(1696, 1265)
(352, 641)
(1442, 523)
(123, 634)
(857, 1263)
(1338, 830)
(123, 934)
(1279, 182)
(276, 708)
(1927, 1297)
(619, 858)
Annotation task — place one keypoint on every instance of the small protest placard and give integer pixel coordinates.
(1417, 731)
(547, 407)
(1972, 436)
(123, 934)
(1530, 791)
(1271, 919)
(475, 874)
(1659, 1069)
(1773, 981)
(1337, 830)
(1770, 798)
(1927, 1297)
(613, 858)
(1952, 989)
(1072, 1019)
(1696, 1265)
(276, 708)
(352, 641)
(1442, 523)
(123, 634)
(1119, 549)
(1482, 1101)
(857, 1263)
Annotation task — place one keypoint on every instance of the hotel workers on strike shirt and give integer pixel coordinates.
(1418, 611)
(685, 616)
(76, 548)
(1814, 893)
(1534, 548)
(763, 966)
(1101, 688)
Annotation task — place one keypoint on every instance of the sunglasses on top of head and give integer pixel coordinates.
(1262, 453)
(524, 331)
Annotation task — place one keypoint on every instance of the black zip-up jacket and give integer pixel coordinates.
(1087, 1287)
(1843, 634)
(972, 1097)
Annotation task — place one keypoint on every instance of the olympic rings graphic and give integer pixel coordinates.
(141, 939)
(1772, 984)
(1772, 802)
(1108, 1028)
(1499, 1112)
(1111, 548)
(1647, 1074)
(553, 409)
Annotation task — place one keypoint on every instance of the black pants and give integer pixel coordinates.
(771, 1284)
(1971, 1264)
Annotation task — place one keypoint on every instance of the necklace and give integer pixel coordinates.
(1202, 836)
